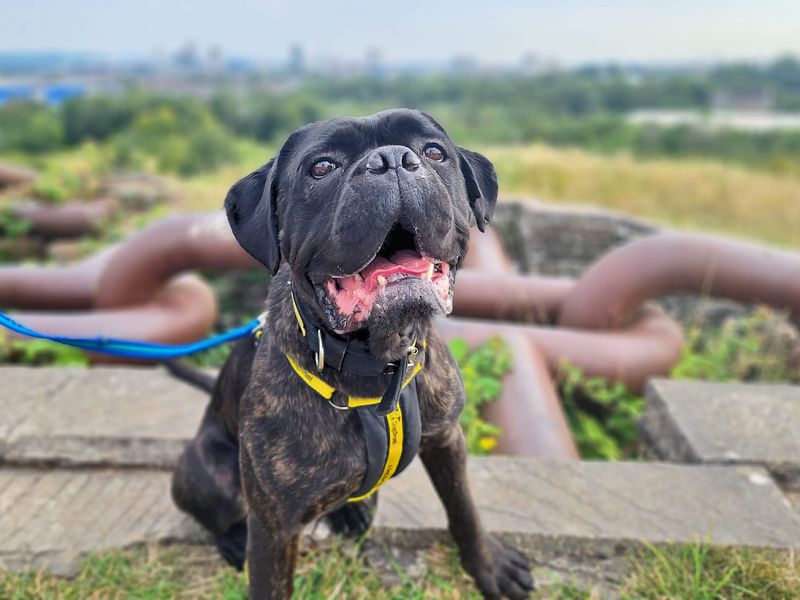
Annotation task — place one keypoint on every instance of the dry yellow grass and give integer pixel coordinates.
(689, 194)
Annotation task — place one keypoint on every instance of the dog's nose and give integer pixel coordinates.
(392, 157)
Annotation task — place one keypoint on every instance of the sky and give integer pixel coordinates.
(501, 31)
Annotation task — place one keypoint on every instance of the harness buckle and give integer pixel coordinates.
(320, 354)
(337, 407)
(411, 354)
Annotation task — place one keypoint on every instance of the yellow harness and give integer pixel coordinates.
(394, 435)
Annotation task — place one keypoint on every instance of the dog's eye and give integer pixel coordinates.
(322, 168)
(434, 152)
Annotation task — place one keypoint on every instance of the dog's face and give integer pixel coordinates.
(371, 214)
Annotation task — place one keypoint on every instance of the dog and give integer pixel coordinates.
(363, 223)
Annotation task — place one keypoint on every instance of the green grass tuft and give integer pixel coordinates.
(702, 572)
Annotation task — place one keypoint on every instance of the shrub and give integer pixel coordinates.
(29, 127)
(482, 370)
(184, 141)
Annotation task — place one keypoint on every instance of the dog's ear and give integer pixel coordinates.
(250, 206)
(481, 181)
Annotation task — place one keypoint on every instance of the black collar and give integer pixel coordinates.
(352, 356)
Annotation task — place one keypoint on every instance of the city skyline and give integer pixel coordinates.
(572, 32)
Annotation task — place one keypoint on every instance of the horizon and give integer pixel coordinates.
(573, 33)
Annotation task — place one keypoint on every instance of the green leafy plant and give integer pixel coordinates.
(482, 370)
(755, 347)
(602, 414)
(12, 226)
(40, 353)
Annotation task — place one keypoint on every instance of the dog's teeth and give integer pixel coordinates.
(381, 280)
(430, 271)
(358, 277)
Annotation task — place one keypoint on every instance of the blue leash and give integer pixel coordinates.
(133, 348)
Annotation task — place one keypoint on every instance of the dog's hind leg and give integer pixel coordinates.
(354, 518)
(206, 484)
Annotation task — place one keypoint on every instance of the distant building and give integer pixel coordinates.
(743, 100)
(464, 64)
(297, 60)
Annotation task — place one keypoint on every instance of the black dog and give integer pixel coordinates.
(372, 218)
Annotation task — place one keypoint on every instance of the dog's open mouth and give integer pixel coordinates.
(398, 267)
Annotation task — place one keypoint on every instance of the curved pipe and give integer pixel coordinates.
(13, 175)
(138, 269)
(646, 348)
(486, 252)
(529, 412)
(667, 263)
(502, 296)
(71, 287)
(183, 311)
(69, 220)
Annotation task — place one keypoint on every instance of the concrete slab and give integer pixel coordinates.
(562, 513)
(594, 510)
(721, 423)
(95, 417)
(51, 519)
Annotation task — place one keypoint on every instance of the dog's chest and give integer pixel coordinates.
(302, 450)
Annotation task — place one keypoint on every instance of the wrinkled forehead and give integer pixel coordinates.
(354, 136)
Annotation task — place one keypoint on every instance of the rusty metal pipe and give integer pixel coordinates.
(142, 264)
(529, 412)
(183, 311)
(662, 264)
(646, 348)
(486, 253)
(69, 220)
(498, 295)
(15, 175)
(53, 288)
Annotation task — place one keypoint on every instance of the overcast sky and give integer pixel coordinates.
(572, 31)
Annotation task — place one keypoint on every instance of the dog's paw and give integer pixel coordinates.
(500, 572)
(232, 544)
(354, 518)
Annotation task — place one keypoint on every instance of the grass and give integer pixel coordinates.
(693, 194)
(703, 572)
(183, 571)
(681, 572)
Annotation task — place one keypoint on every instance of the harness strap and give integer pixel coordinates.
(391, 439)
(337, 352)
(324, 389)
(381, 442)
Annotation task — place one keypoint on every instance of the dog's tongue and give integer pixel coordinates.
(404, 261)
(359, 291)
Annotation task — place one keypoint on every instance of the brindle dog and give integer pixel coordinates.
(371, 216)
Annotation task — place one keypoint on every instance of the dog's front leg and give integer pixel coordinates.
(498, 571)
(271, 556)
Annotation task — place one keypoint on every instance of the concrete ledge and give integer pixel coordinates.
(96, 417)
(720, 423)
(51, 519)
(560, 513)
(596, 508)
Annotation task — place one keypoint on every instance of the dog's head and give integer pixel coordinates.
(371, 214)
